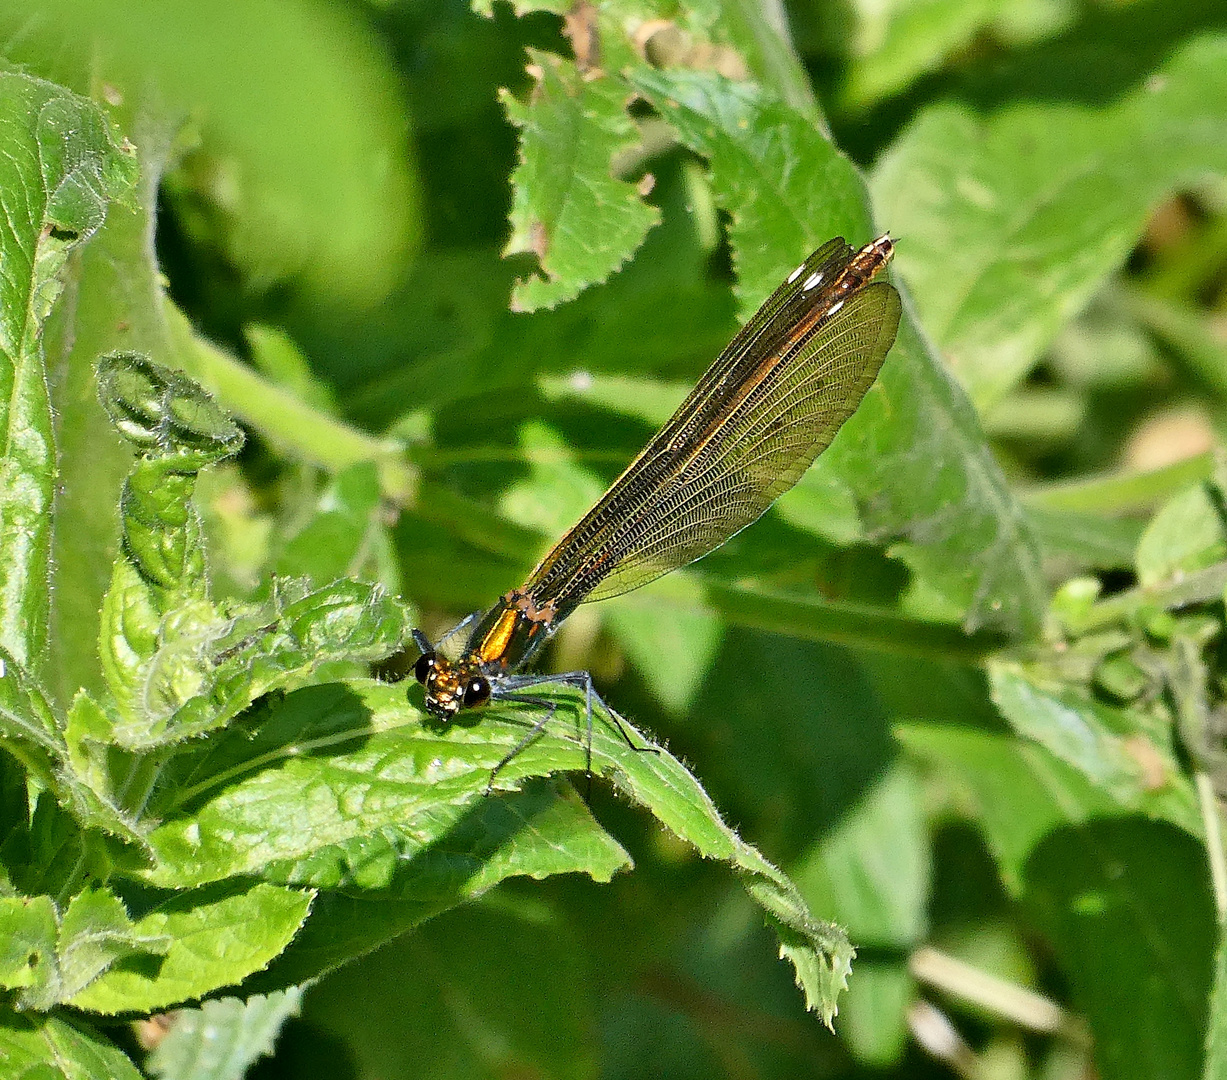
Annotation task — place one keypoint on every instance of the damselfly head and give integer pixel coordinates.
(450, 687)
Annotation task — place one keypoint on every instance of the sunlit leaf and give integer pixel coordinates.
(1040, 202)
(570, 211)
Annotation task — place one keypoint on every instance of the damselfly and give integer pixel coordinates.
(768, 406)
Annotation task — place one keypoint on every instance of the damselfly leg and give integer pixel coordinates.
(509, 690)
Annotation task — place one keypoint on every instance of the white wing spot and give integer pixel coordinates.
(835, 307)
(811, 281)
(795, 274)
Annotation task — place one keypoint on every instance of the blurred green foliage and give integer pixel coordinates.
(449, 268)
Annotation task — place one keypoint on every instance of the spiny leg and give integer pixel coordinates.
(533, 734)
(582, 680)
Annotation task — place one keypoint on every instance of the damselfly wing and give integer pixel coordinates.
(769, 405)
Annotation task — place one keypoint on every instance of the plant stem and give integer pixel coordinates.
(1016, 1003)
(1214, 843)
(286, 421)
(849, 624)
(1185, 330)
(1196, 588)
(1121, 493)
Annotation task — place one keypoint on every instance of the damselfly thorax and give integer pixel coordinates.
(768, 406)
(502, 642)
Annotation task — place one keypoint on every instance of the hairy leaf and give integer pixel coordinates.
(221, 1039)
(376, 893)
(59, 167)
(52, 957)
(350, 771)
(177, 665)
(30, 731)
(580, 220)
(1040, 202)
(212, 942)
(157, 609)
(35, 1047)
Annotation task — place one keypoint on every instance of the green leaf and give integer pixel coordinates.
(1016, 792)
(394, 790)
(286, 642)
(95, 932)
(205, 673)
(276, 356)
(1112, 748)
(46, 850)
(913, 458)
(27, 941)
(1186, 535)
(661, 300)
(221, 1039)
(637, 396)
(1216, 1035)
(176, 665)
(873, 873)
(30, 732)
(293, 427)
(214, 941)
(59, 167)
(158, 588)
(762, 41)
(50, 1048)
(53, 957)
(1127, 906)
(905, 39)
(540, 831)
(390, 774)
(164, 414)
(565, 192)
(27, 720)
(119, 302)
(113, 287)
(556, 491)
(1040, 203)
(1181, 327)
(785, 186)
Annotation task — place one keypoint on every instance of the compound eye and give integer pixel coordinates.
(424, 666)
(476, 691)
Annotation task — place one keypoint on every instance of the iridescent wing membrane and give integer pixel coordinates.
(768, 406)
